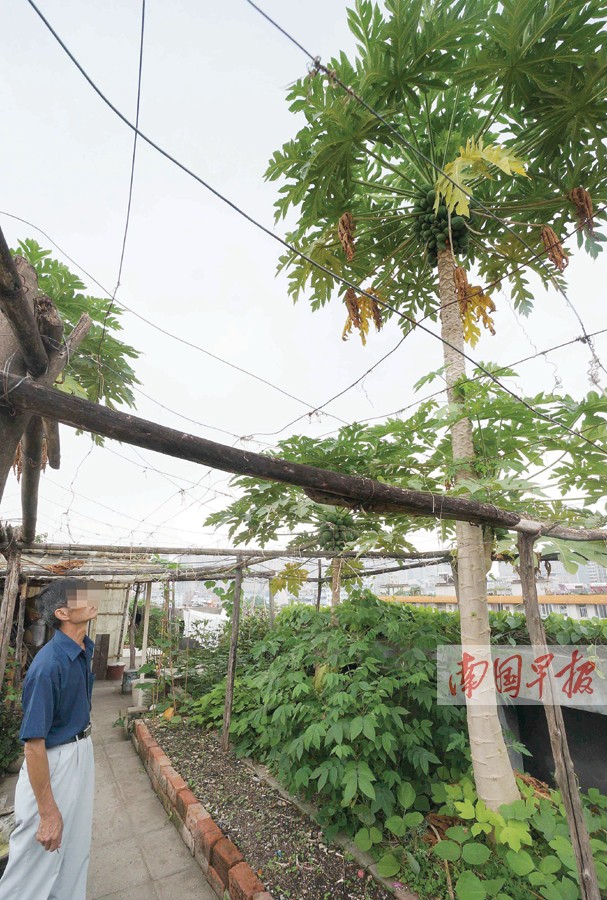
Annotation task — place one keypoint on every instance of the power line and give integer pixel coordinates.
(334, 78)
(345, 281)
(471, 378)
(130, 199)
(169, 334)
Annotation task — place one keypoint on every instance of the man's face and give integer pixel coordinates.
(82, 605)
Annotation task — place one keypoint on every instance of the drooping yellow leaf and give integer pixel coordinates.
(168, 713)
(361, 312)
(291, 579)
(475, 307)
(474, 159)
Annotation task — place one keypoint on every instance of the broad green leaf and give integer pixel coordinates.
(396, 824)
(406, 794)
(362, 839)
(448, 850)
(475, 854)
(458, 833)
(469, 887)
(549, 865)
(388, 866)
(520, 862)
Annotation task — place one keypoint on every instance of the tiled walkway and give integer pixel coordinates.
(136, 852)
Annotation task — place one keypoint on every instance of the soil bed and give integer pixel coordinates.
(279, 842)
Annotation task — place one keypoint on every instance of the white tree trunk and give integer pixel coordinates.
(493, 773)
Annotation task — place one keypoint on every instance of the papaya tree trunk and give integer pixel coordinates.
(336, 567)
(493, 773)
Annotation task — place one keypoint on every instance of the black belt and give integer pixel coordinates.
(83, 734)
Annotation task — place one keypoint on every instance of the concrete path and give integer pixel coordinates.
(136, 852)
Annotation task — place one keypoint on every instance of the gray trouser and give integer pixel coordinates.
(34, 873)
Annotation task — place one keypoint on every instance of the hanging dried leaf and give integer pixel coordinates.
(582, 201)
(475, 306)
(351, 301)
(554, 248)
(361, 312)
(345, 231)
(18, 462)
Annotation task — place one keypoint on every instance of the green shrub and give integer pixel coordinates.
(10, 723)
(347, 714)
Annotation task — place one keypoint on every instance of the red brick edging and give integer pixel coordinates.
(220, 860)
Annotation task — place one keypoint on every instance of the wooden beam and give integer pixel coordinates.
(13, 425)
(193, 574)
(244, 553)
(564, 771)
(31, 456)
(227, 710)
(351, 490)
(53, 444)
(20, 314)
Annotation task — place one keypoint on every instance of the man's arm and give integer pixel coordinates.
(50, 830)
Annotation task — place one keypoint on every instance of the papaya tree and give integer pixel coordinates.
(101, 371)
(502, 103)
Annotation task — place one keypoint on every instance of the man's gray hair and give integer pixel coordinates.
(54, 597)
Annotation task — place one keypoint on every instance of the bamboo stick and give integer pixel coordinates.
(564, 770)
(227, 711)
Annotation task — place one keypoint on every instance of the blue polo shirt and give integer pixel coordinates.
(57, 690)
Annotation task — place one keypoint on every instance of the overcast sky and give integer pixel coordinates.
(213, 94)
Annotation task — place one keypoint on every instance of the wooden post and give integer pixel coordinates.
(20, 314)
(125, 613)
(20, 631)
(227, 710)
(11, 588)
(13, 425)
(146, 622)
(133, 626)
(564, 771)
(319, 589)
(31, 456)
(53, 443)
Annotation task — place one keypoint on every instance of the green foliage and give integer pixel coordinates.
(204, 664)
(348, 716)
(530, 842)
(525, 74)
(10, 723)
(81, 377)
(348, 713)
(154, 628)
(512, 447)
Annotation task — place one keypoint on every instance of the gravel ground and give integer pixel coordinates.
(279, 842)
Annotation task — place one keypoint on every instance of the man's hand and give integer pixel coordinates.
(50, 830)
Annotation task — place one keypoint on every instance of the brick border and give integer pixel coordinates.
(220, 860)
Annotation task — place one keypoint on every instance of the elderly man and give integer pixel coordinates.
(49, 848)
